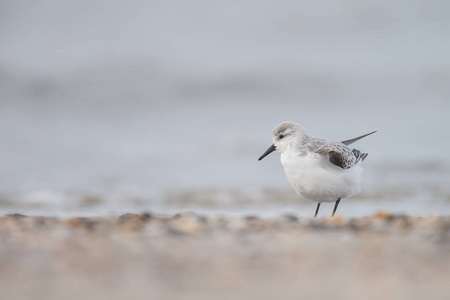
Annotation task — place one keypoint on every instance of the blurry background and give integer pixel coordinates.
(109, 106)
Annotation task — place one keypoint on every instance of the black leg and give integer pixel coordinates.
(317, 209)
(335, 206)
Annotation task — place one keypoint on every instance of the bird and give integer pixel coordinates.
(319, 170)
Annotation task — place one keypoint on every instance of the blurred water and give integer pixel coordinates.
(156, 105)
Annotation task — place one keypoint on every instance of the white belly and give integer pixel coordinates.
(314, 178)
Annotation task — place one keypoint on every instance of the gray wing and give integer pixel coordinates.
(351, 141)
(338, 154)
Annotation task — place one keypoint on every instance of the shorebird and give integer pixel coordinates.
(318, 169)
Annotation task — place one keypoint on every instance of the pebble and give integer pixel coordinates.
(189, 222)
(384, 216)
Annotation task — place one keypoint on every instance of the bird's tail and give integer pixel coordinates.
(363, 156)
(351, 141)
(359, 155)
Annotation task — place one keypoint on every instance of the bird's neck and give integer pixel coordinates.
(301, 140)
(298, 144)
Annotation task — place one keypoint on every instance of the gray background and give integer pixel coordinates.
(112, 106)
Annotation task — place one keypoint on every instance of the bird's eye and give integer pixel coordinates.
(281, 136)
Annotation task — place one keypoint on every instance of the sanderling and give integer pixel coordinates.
(318, 169)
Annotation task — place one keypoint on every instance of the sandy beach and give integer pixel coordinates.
(190, 256)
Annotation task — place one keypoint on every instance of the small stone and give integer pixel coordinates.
(76, 221)
(188, 224)
(256, 222)
(338, 220)
(131, 222)
(82, 222)
(402, 223)
(126, 217)
(186, 215)
(384, 216)
(145, 216)
(16, 216)
(288, 218)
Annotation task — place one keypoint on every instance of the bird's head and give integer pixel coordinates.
(284, 136)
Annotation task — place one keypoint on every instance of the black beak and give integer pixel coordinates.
(270, 150)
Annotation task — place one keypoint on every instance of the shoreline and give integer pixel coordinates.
(189, 256)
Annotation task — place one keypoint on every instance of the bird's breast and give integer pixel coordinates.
(313, 177)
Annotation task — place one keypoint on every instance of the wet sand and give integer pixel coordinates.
(188, 256)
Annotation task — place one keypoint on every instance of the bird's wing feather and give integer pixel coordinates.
(351, 141)
(339, 160)
(338, 154)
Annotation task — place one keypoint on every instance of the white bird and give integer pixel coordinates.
(318, 169)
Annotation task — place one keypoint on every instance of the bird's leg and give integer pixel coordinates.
(335, 206)
(317, 209)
